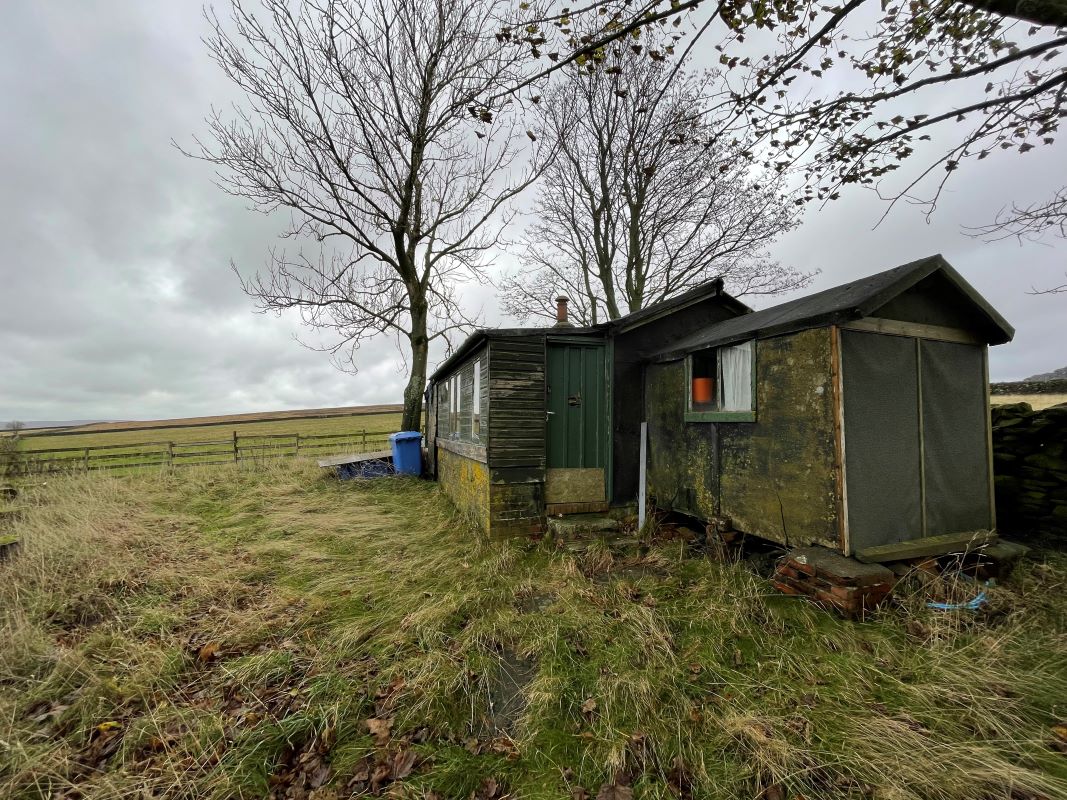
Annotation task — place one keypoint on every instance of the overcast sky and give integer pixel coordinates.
(116, 297)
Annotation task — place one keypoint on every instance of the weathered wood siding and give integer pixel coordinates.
(517, 430)
(430, 434)
(517, 399)
(775, 478)
(627, 409)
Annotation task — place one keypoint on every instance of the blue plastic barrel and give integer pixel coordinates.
(407, 452)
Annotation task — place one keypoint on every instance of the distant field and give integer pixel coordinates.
(372, 423)
(1038, 401)
(228, 419)
(209, 440)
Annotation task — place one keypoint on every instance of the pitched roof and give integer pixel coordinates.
(712, 288)
(850, 301)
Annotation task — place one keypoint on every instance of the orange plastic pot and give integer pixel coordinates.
(703, 390)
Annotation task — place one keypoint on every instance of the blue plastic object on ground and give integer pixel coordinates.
(973, 604)
(407, 452)
(375, 468)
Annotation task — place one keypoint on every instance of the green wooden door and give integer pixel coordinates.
(577, 423)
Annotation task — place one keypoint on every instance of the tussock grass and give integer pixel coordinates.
(233, 633)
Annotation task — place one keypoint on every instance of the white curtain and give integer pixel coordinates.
(735, 386)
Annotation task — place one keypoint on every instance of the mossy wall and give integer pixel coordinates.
(466, 482)
(516, 509)
(775, 477)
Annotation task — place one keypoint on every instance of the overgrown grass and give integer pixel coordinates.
(237, 633)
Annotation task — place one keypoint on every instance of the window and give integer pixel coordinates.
(721, 384)
(444, 418)
(476, 422)
(453, 392)
(463, 403)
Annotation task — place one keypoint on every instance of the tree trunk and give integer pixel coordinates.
(420, 345)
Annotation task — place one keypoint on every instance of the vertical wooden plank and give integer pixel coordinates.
(235, 447)
(841, 488)
(989, 441)
(922, 438)
(643, 457)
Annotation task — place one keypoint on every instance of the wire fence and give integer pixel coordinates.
(235, 449)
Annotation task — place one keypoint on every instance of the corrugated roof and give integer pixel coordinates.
(847, 302)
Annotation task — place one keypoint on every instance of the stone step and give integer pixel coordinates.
(577, 525)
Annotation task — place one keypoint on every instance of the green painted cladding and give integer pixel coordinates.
(577, 405)
(775, 477)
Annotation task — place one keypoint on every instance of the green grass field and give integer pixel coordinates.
(153, 448)
(372, 423)
(221, 633)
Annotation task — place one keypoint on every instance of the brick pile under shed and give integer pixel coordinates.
(833, 579)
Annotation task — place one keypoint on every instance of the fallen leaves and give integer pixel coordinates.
(380, 729)
(1059, 737)
(374, 774)
(615, 791)
(303, 773)
(104, 740)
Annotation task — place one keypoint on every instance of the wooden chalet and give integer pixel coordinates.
(850, 418)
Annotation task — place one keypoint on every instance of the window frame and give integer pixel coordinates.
(720, 416)
(476, 401)
(453, 409)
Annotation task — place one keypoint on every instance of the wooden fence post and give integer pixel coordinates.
(235, 447)
(364, 440)
(297, 444)
(170, 454)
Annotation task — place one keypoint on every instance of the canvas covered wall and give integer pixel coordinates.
(916, 438)
(775, 477)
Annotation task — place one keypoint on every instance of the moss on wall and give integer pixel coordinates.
(466, 482)
(516, 509)
(777, 475)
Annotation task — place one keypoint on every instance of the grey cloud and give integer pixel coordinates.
(116, 297)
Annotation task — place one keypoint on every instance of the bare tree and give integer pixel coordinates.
(358, 122)
(641, 202)
(848, 91)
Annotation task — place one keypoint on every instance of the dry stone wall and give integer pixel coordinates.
(1030, 465)
(1058, 386)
